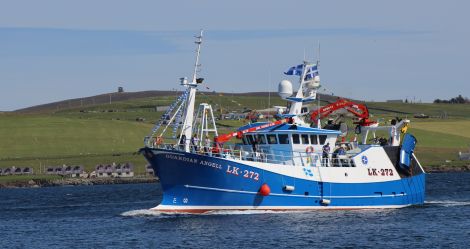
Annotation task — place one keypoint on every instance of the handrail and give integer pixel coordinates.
(295, 158)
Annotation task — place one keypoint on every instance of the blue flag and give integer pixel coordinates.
(312, 72)
(297, 70)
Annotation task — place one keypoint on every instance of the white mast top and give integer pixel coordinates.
(198, 52)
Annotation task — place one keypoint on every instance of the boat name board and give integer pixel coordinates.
(194, 161)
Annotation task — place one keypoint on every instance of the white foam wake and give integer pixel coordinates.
(448, 203)
(154, 213)
(250, 212)
(141, 213)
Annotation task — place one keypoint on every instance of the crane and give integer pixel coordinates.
(358, 110)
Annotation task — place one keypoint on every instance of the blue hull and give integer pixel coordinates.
(198, 183)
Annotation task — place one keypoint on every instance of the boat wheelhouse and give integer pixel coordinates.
(287, 144)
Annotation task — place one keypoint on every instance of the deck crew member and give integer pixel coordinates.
(255, 146)
(182, 142)
(207, 145)
(217, 149)
(195, 142)
(326, 152)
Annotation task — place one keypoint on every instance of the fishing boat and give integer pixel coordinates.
(291, 163)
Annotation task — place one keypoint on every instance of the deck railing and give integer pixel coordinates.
(293, 158)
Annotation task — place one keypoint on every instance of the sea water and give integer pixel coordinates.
(117, 216)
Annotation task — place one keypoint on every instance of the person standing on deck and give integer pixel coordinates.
(182, 142)
(218, 147)
(326, 152)
(255, 146)
(207, 145)
(195, 142)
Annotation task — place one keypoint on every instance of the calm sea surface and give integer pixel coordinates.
(116, 216)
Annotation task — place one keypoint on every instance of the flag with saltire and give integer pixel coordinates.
(295, 70)
(311, 72)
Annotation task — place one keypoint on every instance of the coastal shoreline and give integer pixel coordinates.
(447, 169)
(38, 182)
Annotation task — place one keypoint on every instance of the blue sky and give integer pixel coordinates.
(370, 50)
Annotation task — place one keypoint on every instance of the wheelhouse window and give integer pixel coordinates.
(272, 139)
(304, 138)
(322, 138)
(295, 139)
(250, 139)
(283, 138)
(261, 139)
(313, 139)
(245, 140)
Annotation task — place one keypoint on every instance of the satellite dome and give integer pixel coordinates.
(285, 89)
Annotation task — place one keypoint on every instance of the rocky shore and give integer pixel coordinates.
(445, 169)
(36, 183)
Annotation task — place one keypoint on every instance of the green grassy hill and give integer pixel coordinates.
(101, 133)
(47, 140)
(433, 110)
(107, 133)
(440, 137)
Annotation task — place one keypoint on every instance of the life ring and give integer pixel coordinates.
(309, 149)
(159, 140)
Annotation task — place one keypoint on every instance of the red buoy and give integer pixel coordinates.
(264, 190)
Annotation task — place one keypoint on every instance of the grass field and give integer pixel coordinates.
(440, 141)
(110, 133)
(459, 128)
(37, 136)
(440, 148)
(435, 110)
(38, 140)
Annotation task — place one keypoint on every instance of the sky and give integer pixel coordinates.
(53, 50)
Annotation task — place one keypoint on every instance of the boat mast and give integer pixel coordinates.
(296, 107)
(189, 115)
(318, 96)
(307, 91)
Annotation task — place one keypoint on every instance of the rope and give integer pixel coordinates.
(182, 98)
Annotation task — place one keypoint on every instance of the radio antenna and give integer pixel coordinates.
(198, 52)
(318, 61)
